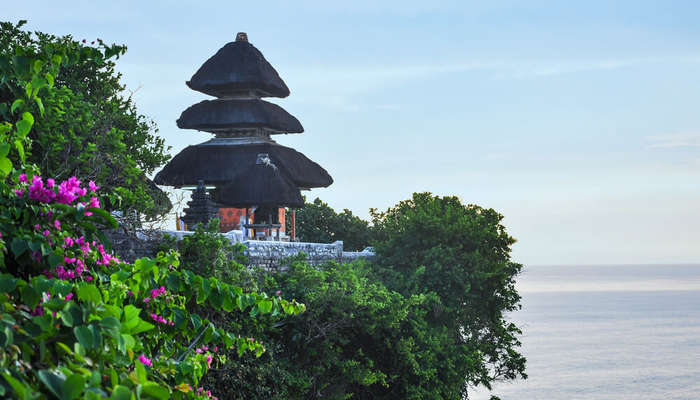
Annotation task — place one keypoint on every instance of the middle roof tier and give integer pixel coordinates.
(231, 116)
(219, 161)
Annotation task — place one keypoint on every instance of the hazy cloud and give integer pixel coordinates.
(674, 141)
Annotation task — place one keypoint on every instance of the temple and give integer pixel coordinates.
(241, 175)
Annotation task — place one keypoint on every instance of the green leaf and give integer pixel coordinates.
(40, 104)
(196, 321)
(54, 260)
(89, 292)
(18, 246)
(111, 325)
(37, 66)
(18, 387)
(144, 265)
(20, 149)
(72, 314)
(8, 283)
(5, 166)
(155, 390)
(30, 296)
(24, 125)
(84, 336)
(130, 318)
(96, 335)
(173, 282)
(73, 386)
(105, 216)
(141, 372)
(265, 306)
(121, 393)
(142, 326)
(4, 149)
(16, 104)
(53, 380)
(9, 337)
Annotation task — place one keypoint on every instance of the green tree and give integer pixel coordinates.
(318, 222)
(461, 253)
(89, 127)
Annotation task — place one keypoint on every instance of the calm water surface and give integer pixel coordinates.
(608, 332)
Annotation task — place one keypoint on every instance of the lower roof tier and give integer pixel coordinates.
(217, 163)
(231, 115)
(260, 185)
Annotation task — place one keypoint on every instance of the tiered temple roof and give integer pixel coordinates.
(239, 76)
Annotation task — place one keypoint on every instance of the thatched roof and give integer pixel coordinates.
(260, 185)
(238, 68)
(219, 164)
(218, 116)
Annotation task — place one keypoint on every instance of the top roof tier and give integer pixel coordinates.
(238, 69)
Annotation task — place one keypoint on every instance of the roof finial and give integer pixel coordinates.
(241, 37)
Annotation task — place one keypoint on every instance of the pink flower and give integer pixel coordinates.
(19, 192)
(209, 360)
(23, 178)
(57, 224)
(146, 300)
(88, 278)
(69, 296)
(145, 360)
(92, 186)
(46, 233)
(50, 182)
(278, 292)
(94, 202)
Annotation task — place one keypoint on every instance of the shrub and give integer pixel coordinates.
(76, 321)
(318, 222)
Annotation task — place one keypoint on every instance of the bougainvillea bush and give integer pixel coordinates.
(78, 322)
(75, 321)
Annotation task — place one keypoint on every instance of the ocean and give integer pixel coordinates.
(608, 332)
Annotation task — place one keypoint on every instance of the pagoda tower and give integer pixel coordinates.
(239, 77)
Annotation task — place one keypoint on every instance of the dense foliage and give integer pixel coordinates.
(373, 333)
(75, 321)
(88, 127)
(317, 222)
(461, 253)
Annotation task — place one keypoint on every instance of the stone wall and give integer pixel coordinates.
(266, 254)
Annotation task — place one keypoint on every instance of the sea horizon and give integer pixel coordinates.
(613, 331)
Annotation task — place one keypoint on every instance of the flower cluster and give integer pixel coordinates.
(145, 360)
(159, 319)
(155, 293)
(202, 392)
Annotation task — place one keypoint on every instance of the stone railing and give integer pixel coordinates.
(266, 254)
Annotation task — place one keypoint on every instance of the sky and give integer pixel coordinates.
(578, 121)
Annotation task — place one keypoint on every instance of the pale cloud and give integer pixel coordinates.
(675, 141)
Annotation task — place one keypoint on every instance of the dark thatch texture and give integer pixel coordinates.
(218, 116)
(260, 185)
(219, 164)
(237, 68)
